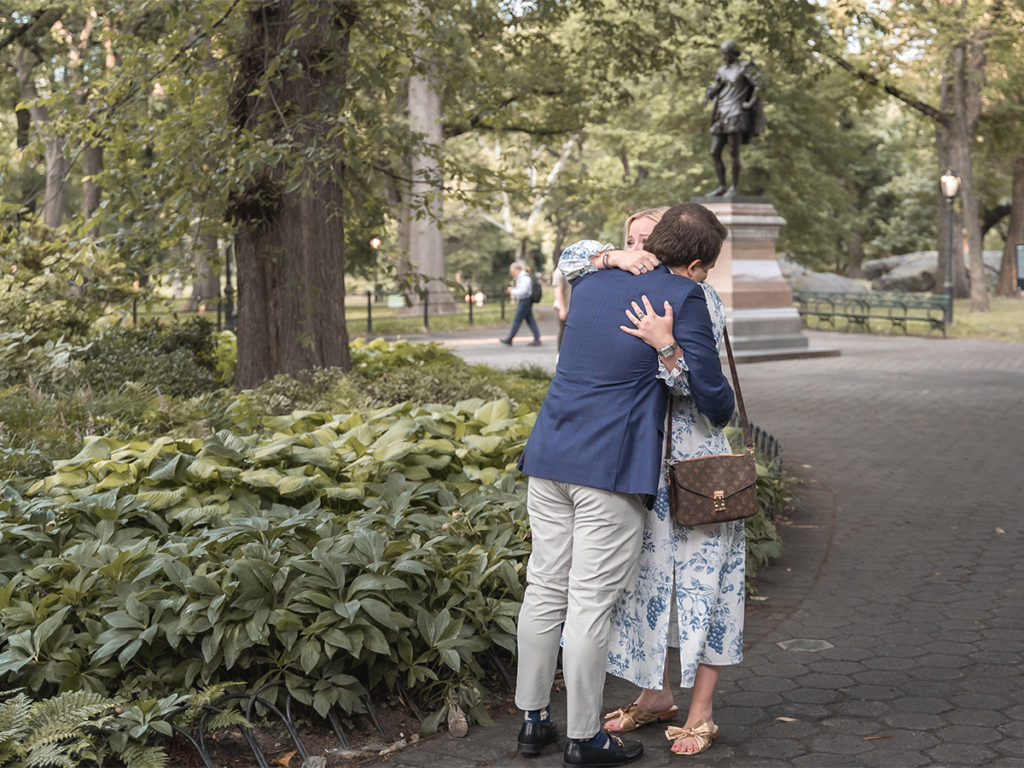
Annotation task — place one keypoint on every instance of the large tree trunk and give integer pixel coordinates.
(968, 74)
(92, 154)
(57, 167)
(1007, 285)
(426, 243)
(24, 120)
(946, 161)
(56, 163)
(92, 166)
(206, 287)
(289, 247)
(855, 255)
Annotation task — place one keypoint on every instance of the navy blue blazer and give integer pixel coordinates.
(603, 419)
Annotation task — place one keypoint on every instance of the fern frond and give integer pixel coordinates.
(136, 756)
(52, 734)
(8, 753)
(226, 718)
(209, 695)
(14, 714)
(50, 755)
(70, 707)
(200, 699)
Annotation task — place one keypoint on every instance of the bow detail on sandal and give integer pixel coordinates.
(632, 717)
(702, 734)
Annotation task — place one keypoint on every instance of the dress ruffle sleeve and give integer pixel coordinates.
(575, 260)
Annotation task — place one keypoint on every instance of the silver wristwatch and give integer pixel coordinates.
(668, 350)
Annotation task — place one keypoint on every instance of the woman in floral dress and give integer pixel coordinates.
(689, 589)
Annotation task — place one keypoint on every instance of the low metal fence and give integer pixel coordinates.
(476, 304)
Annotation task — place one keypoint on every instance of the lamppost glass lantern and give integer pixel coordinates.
(950, 184)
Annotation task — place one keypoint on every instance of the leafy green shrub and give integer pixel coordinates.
(56, 286)
(390, 373)
(339, 552)
(773, 496)
(226, 351)
(178, 359)
(39, 425)
(28, 357)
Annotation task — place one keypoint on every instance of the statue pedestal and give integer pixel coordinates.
(763, 323)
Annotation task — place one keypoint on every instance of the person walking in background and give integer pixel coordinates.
(521, 292)
(594, 462)
(689, 589)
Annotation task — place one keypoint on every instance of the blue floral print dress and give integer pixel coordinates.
(689, 588)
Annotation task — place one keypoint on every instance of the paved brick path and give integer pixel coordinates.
(905, 553)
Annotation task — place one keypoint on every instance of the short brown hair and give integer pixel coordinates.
(686, 233)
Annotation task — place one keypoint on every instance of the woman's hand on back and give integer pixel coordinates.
(648, 326)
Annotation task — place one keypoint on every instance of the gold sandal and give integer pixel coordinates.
(632, 717)
(702, 733)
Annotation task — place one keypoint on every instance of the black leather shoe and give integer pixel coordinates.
(535, 735)
(619, 752)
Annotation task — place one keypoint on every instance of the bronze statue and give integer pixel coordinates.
(737, 114)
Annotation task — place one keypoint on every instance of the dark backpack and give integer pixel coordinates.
(536, 289)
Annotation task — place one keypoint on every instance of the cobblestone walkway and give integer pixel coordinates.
(904, 556)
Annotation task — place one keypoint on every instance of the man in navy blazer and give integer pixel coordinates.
(594, 458)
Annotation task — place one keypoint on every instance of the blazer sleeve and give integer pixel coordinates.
(693, 331)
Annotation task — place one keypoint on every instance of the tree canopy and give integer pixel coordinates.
(158, 137)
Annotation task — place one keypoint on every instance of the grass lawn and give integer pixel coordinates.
(1004, 322)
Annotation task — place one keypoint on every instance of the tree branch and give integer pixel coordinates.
(925, 109)
(451, 131)
(43, 17)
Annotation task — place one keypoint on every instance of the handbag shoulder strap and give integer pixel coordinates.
(748, 439)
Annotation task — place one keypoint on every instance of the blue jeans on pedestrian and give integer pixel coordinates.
(524, 311)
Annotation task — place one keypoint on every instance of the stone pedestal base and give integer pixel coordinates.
(763, 323)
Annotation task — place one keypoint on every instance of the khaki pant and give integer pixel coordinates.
(586, 545)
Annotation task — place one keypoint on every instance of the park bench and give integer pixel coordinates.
(860, 308)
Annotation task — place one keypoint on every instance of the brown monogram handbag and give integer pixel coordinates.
(714, 489)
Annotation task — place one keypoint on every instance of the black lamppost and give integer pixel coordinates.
(229, 294)
(950, 184)
(375, 243)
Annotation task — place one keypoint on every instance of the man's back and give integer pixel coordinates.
(602, 422)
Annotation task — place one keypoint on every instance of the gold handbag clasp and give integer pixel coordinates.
(719, 499)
